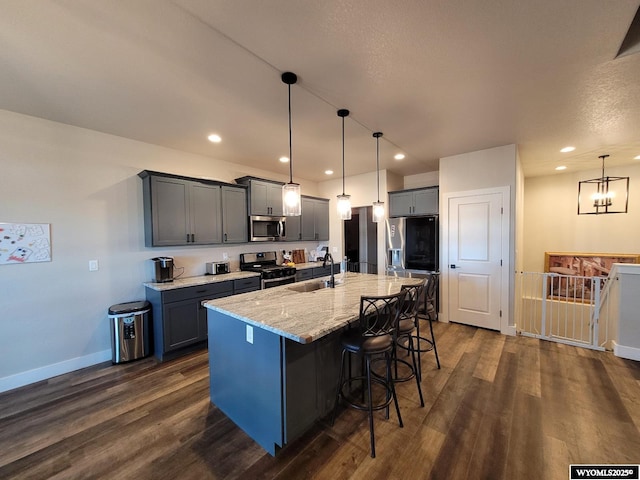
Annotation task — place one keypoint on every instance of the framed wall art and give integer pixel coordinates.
(25, 243)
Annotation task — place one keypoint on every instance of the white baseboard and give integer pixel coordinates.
(631, 353)
(509, 330)
(49, 371)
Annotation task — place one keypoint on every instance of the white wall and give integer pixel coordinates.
(551, 222)
(484, 169)
(53, 315)
(428, 179)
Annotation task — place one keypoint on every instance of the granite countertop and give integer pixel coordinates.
(308, 316)
(199, 280)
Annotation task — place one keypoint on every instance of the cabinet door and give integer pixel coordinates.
(181, 324)
(259, 192)
(307, 219)
(274, 199)
(322, 220)
(169, 209)
(205, 212)
(293, 229)
(400, 204)
(234, 215)
(425, 201)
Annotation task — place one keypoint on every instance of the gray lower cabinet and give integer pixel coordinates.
(314, 221)
(234, 215)
(304, 274)
(246, 285)
(179, 319)
(406, 203)
(325, 271)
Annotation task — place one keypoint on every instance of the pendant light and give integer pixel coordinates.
(378, 207)
(290, 191)
(603, 195)
(344, 200)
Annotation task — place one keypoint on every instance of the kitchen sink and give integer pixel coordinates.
(312, 286)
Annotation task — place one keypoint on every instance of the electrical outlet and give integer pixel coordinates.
(249, 334)
(334, 249)
(93, 265)
(225, 256)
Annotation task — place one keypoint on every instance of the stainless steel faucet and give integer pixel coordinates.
(328, 257)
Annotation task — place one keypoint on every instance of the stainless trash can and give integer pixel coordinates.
(129, 323)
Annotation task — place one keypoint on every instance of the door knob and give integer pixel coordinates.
(453, 266)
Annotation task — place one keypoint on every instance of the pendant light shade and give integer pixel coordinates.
(603, 195)
(291, 205)
(378, 207)
(344, 200)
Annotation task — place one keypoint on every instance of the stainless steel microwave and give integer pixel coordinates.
(267, 229)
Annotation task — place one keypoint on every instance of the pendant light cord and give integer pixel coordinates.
(290, 149)
(377, 136)
(378, 165)
(342, 155)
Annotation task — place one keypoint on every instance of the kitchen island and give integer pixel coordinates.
(274, 354)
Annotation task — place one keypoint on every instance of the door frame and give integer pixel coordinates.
(507, 235)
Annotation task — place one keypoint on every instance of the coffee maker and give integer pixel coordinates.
(163, 269)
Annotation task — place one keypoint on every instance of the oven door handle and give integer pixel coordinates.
(279, 229)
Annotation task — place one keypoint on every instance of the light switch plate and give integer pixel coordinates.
(93, 265)
(249, 334)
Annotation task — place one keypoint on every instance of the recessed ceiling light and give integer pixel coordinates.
(561, 167)
(399, 156)
(284, 159)
(328, 172)
(567, 149)
(214, 138)
(637, 157)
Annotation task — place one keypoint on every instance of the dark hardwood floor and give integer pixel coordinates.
(500, 408)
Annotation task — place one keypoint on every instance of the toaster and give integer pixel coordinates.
(217, 268)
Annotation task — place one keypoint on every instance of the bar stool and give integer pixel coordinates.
(430, 310)
(408, 323)
(375, 336)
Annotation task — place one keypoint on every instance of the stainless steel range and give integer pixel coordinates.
(266, 263)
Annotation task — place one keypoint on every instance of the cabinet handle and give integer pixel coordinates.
(193, 238)
(200, 291)
(225, 237)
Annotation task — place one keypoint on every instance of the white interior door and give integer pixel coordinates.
(475, 265)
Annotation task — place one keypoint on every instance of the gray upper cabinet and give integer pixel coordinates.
(314, 221)
(293, 229)
(204, 212)
(265, 197)
(406, 203)
(187, 211)
(234, 214)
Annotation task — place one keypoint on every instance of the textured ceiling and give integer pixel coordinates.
(439, 78)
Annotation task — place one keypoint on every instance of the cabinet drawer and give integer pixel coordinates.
(246, 284)
(305, 274)
(321, 271)
(200, 291)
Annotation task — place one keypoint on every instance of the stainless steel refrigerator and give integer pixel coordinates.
(412, 246)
